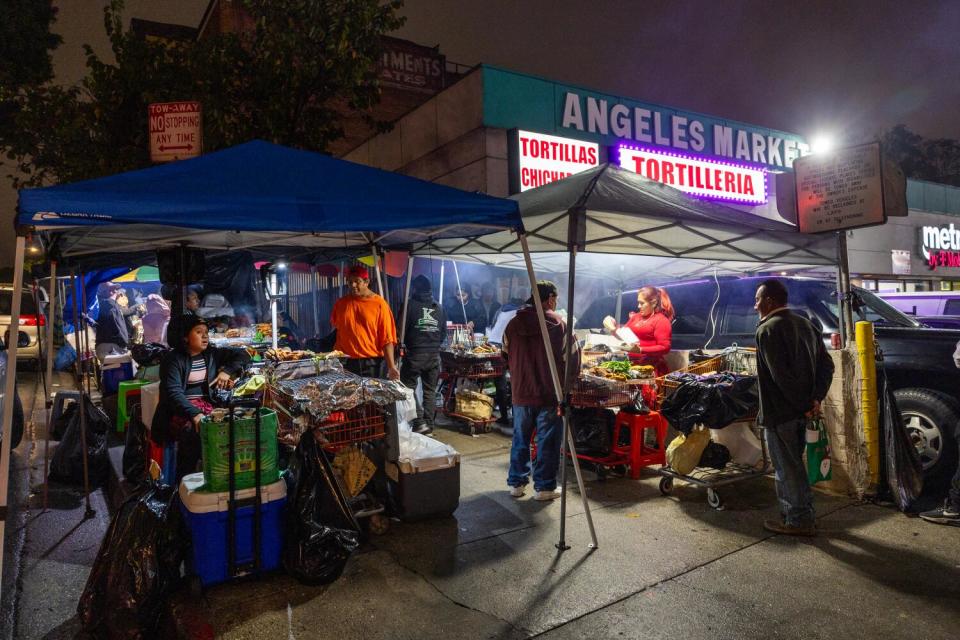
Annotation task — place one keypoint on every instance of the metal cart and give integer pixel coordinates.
(454, 370)
(738, 360)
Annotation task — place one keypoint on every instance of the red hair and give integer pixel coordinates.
(660, 300)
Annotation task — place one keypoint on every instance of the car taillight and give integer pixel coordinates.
(31, 321)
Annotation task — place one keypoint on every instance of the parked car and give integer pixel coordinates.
(918, 359)
(31, 321)
(925, 303)
(17, 406)
(939, 322)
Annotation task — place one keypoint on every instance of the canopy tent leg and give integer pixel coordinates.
(273, 309)
(619, 296)
(314, 281)
(558, 391)
(343, 266)
(378, 272)
(406, 300)
(9, 389)
(456, 273)
(80, 325)
(442, 268)
(48, 402)
(846, 325)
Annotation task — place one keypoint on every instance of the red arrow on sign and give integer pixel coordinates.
(188, 147)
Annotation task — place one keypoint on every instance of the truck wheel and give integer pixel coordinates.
(930, 418)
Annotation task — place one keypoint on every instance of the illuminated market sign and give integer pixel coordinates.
(538, 159)
(701, 177)
(940, 246)
(663, 127)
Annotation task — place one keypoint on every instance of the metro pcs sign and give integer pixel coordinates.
(538, 159)
(698, 176)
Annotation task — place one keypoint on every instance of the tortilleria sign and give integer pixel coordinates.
(175, 131)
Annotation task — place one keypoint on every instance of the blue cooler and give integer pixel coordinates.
(206, 515)
(116, 369)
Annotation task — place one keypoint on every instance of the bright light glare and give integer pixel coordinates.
(822, 144)
(281, 265)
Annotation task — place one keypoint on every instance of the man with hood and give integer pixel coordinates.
(112, 336)
(425, 330)
(534, 399)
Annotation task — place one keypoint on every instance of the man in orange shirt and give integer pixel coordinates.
(366, 331)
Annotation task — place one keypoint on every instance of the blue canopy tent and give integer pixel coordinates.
(256, 194)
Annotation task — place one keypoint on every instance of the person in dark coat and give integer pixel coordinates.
(794, 372)
(424, 333)
(188, 373)
(534, 396)
(111, 336)
(489, 307)
(461, 303)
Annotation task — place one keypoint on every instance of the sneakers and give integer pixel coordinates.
(517, 492)
(777, 526)
(947, 514)
(544, 496)
(423, 429)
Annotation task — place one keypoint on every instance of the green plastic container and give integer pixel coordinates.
(215, 443)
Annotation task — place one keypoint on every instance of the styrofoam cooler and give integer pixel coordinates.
(116, 368)
(149, 399)
(206, 515)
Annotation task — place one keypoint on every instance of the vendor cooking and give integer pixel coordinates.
(652, 326)
(187, 374)
(366, 331)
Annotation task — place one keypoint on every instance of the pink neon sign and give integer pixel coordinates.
(698, 176)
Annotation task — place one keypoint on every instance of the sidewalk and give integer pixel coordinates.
(669, 567)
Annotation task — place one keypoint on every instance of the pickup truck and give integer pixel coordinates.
(718, 312)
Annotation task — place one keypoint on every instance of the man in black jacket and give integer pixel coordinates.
(424, 333)
(112, 336)
(794, 372)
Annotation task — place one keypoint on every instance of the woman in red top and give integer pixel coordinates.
(653, 328)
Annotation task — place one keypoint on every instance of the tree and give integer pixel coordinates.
(286, 80)
(935, 160)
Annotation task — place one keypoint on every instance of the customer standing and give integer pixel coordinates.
(425, 330)
(112, 336)
(534, 399)
(366, 331)
(794, 372)
(489, 306)
(949, 513)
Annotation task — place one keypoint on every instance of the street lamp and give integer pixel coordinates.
(822, 143)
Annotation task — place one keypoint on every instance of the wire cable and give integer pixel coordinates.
(713, 308)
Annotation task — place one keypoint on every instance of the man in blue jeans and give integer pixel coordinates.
(794, 372)
(534, 399)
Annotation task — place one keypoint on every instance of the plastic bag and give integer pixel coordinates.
(67, 463)
(135, 450)
(321, 530)
(684, 451)
(902, 470)
(714, 456)
(819, 468)
(148, 354)
(416, 446)
(137, 567)
(66, 356)
(593, 430)
(714, 400)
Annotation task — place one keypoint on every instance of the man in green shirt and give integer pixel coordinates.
(794, 372)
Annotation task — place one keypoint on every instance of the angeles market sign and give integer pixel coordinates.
(664, 127)
(940, 246)
(701, 177)
(538, 159)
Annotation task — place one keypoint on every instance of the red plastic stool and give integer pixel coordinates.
(637, 452)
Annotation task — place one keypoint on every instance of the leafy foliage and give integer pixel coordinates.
(286, 79)
(935, 160)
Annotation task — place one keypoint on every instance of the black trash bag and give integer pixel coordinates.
(63, 420)
(714, 456)
(714, 400)
(135, 449)
(322, 345)
(149, 354)
(321, 532)
(592, 430)
(137, 567)
(901, 471)
(67, 463)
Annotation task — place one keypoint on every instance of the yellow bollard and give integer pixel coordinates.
(868, 398)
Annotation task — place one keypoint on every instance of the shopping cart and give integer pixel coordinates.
(455, 371)
(738, 360)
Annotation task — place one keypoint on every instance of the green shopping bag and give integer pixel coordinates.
(818, 452)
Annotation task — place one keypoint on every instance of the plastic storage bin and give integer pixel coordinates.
(206, 516)
(421, 489)
(215, 444)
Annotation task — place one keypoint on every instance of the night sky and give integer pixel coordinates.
(850, 68)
